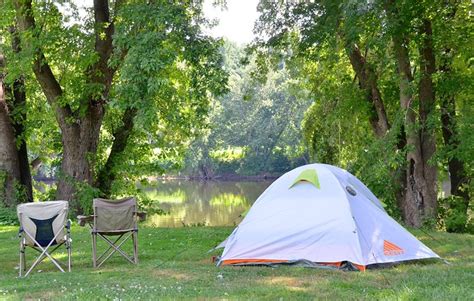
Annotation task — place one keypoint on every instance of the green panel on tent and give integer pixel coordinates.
(308, 175)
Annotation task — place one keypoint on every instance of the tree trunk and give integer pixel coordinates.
(427, 106)
(9, 163)
(79, 142)
(420, 198)
(378, 119)
(368, 83)
(18, 105)
(108, 172)
(401, 173)
(413, 198)
(457, 173)
(268, 153)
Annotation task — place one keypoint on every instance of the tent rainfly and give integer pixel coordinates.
(320, 215)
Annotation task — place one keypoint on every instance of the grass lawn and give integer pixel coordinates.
(174, 264)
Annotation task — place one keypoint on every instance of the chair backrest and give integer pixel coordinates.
(43, 221)
(115, 215)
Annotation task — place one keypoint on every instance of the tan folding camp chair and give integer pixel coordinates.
(44, 226)
(113, 218)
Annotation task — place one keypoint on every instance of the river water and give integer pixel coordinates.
(198, 203)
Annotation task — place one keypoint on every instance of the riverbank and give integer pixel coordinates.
(220, 177)
(217, 177)
(174, 264)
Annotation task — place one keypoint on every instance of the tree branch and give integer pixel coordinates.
(101, 72)
(368, 81)
(41, 68)
(108, 172)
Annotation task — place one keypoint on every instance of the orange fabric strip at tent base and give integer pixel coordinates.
(277, 261)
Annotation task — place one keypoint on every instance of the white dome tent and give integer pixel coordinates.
(320, 215)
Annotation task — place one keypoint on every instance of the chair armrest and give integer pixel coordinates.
(83, 219)
(141, 216)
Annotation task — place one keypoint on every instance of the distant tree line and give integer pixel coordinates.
(254, 129)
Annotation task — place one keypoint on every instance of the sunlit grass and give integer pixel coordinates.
(7, 229)
(174, 264)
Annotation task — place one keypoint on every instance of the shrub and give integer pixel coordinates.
(8, 216)
(454, 216)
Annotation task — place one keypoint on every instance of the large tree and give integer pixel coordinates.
(331, 35)
(15, 168)
(455, 47)
(387, 44)
(145, 69)
(9, 162)
(80, 127)
(420, 200)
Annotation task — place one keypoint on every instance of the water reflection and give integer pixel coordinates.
(211, 203)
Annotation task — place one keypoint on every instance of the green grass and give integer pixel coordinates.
(174, 264)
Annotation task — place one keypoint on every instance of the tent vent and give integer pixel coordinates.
(351, 190)
(308, 175)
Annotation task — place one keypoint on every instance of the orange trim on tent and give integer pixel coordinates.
(335, 264)
(241, 261)
(257, 261)
(361, 268)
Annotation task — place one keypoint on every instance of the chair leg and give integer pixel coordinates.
(135, 246)
(68, 245)
(114, 248)
(94, 249)
(22, 267)
(43, 250)
(69, 253)
(106, 252)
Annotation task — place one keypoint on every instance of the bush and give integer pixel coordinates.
(82, 202)
(454, 216)
(8, 217)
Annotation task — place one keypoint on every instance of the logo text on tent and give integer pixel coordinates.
(391, 249)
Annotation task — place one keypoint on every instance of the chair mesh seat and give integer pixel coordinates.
(44, 231)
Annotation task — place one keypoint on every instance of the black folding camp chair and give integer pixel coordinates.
(117, 219)
(44, 227)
